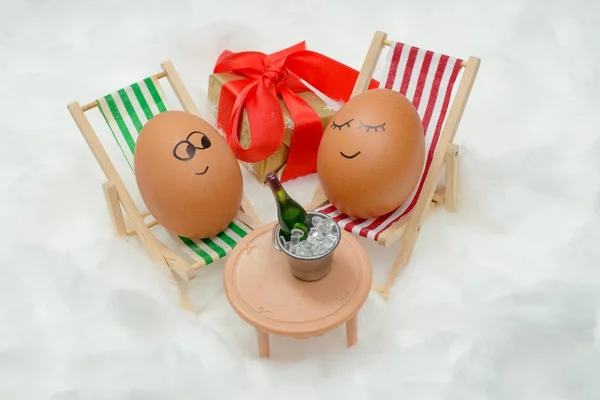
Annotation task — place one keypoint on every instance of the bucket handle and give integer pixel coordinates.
(274, 239)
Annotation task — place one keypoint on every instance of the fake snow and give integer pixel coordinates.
(501, 300)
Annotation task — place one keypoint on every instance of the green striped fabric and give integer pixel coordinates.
(125, 112)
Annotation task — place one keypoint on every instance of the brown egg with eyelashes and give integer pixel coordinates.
(188, 177)
(372, 154)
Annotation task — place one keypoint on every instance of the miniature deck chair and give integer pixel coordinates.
(126, 111)
(427, 79)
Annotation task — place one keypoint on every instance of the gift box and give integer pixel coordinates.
(272, 121)
(277, 160)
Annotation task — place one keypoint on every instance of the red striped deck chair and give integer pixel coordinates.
(123, 113)
(438, 85)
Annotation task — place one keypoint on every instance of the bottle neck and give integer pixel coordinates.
(276, 188)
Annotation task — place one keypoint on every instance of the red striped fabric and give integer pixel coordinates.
(427, 79)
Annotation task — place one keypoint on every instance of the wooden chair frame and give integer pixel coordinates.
(122, 209)
(446, 155)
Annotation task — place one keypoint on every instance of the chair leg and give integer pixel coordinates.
(402, 258)
(247, 208)
(407, 245)
(184, 302)
(410, 236)
(118, 221)
(451, 191)
(114, 208)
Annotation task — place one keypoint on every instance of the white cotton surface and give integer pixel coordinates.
(501, 300)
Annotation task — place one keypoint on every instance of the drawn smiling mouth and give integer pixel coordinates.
(350, 157)
(203, 172)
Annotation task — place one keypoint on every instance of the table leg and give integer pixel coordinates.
(264, 350)
(352, 331)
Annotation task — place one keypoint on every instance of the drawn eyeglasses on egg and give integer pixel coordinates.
(186, 149)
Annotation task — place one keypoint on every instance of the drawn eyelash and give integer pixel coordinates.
(369, 127)
(339, 127)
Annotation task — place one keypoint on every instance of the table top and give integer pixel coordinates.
(262, 290)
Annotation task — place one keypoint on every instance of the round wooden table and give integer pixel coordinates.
(262, 290)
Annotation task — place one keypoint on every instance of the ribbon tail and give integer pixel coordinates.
(332, 78)
(265, 120)
(233, 128)
(236, 62)
(304, 145)
(282, 54)
(229, 93)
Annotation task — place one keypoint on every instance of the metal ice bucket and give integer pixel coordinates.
(311, 268)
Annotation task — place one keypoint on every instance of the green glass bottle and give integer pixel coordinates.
(291, 215)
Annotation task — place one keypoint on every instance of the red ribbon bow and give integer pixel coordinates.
(266, 78)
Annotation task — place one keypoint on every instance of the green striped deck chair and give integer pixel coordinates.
(125, 111)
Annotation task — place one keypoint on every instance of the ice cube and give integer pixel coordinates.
(303, 251)
(333, 236)
(328, 224)
(302, 245)
(320, 238)
(317, 221)
(322, 229)
(316, 250)
(294, 240)
(327, 243)
(315, 235)
(314, 247)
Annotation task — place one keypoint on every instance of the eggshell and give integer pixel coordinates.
(372, 154)
(187, 175)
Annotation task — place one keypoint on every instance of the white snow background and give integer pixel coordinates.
(500, 301)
